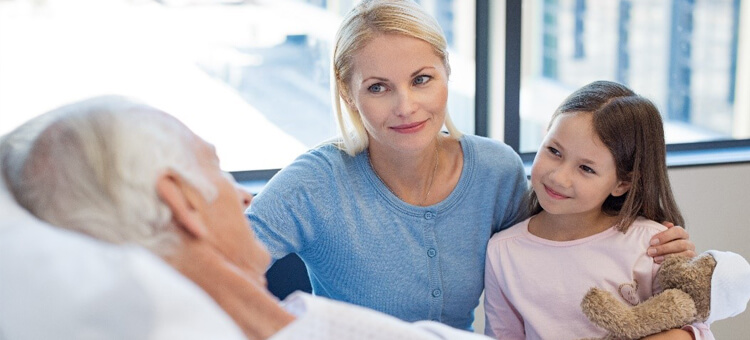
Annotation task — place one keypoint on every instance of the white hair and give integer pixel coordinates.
(92, 166)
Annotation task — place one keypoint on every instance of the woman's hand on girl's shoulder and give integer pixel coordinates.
(674, 240)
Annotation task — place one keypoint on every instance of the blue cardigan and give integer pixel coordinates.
(362, 244)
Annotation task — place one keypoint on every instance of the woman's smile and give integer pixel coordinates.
(410, 127)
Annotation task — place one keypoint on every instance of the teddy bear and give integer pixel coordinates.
(685, 298)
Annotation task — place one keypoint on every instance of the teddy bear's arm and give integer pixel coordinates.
(670, 309)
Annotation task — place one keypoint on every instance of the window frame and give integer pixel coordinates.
(678, 154)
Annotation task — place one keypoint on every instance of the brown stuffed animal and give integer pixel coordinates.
(685, 299)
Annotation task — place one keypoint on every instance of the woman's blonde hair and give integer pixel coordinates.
(366, 21)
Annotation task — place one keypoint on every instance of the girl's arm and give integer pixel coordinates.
(672, 334)
(501, 318)
(674, 240)
(696, 331)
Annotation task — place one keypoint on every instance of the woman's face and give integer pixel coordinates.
(399, 86)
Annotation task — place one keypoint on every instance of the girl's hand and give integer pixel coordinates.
(674, 240)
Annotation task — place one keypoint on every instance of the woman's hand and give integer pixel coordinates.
(674, 240)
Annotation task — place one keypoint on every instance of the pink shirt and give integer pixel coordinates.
(534, 286)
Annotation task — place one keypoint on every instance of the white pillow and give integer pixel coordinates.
(57, 284)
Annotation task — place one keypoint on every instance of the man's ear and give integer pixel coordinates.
(183, 201)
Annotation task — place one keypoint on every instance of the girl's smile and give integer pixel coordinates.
(554, 194)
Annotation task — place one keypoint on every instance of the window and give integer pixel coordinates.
(685, 55)
(252, 77)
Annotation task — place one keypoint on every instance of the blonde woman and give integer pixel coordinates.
(395, 215)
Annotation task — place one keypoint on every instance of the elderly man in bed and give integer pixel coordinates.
(168, 252)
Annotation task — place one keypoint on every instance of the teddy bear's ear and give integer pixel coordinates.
(678, 271)
(705, 263)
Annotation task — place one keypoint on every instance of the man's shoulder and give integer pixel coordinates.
(323, 318)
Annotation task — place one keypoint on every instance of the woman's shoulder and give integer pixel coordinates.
(490, 155)
(317, 166)
(324, 157)
(488, 148)
(486, 143)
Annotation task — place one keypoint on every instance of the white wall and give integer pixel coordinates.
(715, 201)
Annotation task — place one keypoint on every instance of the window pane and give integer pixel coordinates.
(681, 54)
(252, 77)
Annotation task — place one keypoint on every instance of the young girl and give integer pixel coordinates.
(599, 190)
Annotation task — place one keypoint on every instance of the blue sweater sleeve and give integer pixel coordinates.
(501, 174)
(517, 207)
(284, 214)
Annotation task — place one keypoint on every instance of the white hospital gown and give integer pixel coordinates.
(319, 318)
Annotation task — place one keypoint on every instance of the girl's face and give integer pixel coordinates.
(399, 87)
(574, 172)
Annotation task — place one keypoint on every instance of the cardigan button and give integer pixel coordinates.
(431, 252)
(437, 293)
